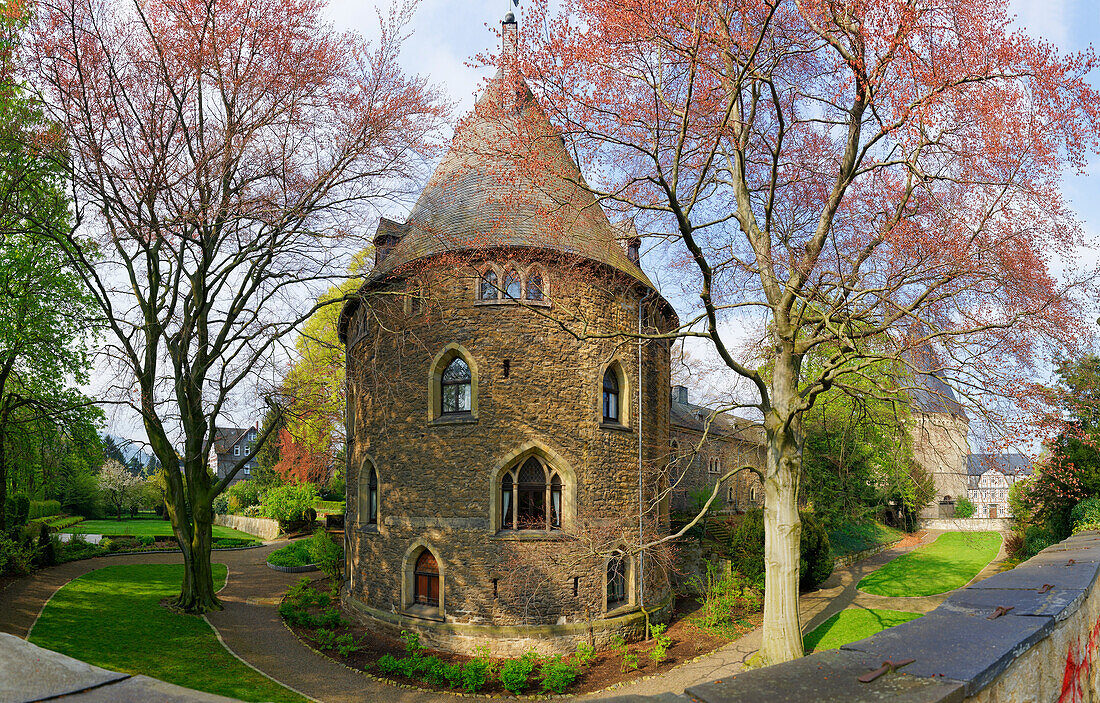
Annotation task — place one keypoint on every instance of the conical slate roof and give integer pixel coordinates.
(507, 181)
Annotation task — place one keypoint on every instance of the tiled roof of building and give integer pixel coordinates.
(226, 437)
(1011, 465)
(507, 181)
(928, 392)
(695, 417)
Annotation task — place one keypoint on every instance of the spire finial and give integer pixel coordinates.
(509, 32)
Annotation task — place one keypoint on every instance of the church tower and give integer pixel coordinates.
(508, 431)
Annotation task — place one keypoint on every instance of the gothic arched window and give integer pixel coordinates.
(368, 494)
(530, 498)
(616, 581)
(512, 287)
(534, 286)
(610, 396)
(455, 387)
(372, 496)
(488, 289)
(426, 584)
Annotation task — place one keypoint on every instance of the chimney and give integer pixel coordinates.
(633, 245)
(680, 395)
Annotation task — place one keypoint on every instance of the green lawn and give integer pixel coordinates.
(948, 563)
(852, 625)
(140, 527)
(112, 618)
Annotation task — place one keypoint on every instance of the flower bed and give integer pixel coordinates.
(311, 611)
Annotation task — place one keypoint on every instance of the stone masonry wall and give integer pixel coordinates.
(538, 392)
(940, 447)
(690, 470)
(1043, 645)
(258, 526)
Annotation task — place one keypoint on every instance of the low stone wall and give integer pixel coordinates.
(258, 526)
(970, 524)
(1028, 634)
(849, 559)
(509, 640)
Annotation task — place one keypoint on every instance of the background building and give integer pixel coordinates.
(230, 444)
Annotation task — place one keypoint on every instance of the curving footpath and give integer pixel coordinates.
(251, 628)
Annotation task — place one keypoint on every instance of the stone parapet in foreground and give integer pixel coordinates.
(1043, 648)
(30, 673)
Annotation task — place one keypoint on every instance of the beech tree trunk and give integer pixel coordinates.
(782, 527)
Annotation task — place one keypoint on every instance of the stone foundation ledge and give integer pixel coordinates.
(510, 640)
(1045, 648)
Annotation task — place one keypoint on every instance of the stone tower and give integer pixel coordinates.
(507, 431)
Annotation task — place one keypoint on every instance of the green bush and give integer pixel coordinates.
(17, 508)
(294, 554)
(232, 542)
(662, 643)
(78, 548)
(326, 554)
(722, 597)
(475, 674)
(557, 675)
(515, 672)
(324, 637)
(289, 504)
(453, 674)
(585, 653)
(1086, 515)
(65, 522)
(815, 556)
(346, 645)
(43, 508)
(243, 494)
(412, 643)
(16, 556)
(388, 664)
(220, 504)
(964, 508)
(1037, 538)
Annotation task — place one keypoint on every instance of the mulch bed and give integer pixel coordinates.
(688, 642)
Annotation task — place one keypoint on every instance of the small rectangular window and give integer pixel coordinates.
(236, 450)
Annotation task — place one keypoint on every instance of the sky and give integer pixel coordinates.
(445, 35)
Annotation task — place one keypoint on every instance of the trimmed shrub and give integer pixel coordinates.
(43, 508)
(515, 672)
(815, 556)
(557, 675)
(1086, 515)
(17, 509)
(293, 554)
(475, 674)
(16, 556)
